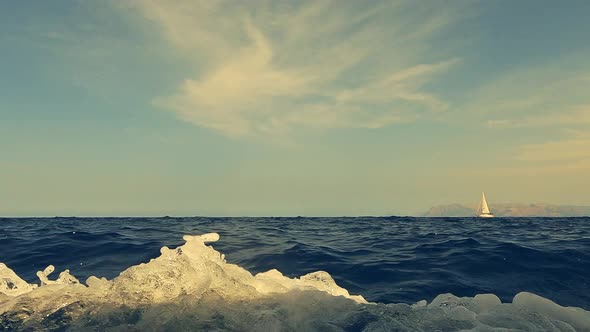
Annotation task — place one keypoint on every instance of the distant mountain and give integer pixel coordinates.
(511, 210)
(451, 210)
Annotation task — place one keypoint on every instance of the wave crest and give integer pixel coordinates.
(193, 287)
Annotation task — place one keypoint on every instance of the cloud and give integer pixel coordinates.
(564, 155)
(544, 95)
(267, 68)
(574, 148)
(573, 117)
(559, 157)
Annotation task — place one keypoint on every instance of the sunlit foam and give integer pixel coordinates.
(192, 287)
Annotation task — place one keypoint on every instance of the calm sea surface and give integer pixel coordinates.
(390, 259)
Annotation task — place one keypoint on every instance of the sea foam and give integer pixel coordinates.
(192, 287)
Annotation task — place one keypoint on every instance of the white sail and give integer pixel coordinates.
(484, 210)
(484, 205)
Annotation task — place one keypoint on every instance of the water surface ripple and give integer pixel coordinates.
(386, 259)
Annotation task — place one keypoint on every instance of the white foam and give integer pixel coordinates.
(11, 284)
(192, 287)
(64, 277)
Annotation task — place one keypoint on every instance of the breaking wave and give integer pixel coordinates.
(387, 260)
(193, 287)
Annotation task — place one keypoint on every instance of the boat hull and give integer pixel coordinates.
(486, 216)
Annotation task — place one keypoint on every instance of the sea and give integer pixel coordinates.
(384, 259)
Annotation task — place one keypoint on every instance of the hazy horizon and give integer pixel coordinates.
(420, 213)
(264, 108)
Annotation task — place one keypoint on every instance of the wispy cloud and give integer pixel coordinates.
(573, 116)
(574, 148)
(561, 156)
(553, 94)
(265, 68)
(547, 105)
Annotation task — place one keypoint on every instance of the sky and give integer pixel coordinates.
(286, 108)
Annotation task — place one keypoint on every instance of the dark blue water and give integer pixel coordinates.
(384, 259)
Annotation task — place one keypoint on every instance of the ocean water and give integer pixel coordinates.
(386, 259)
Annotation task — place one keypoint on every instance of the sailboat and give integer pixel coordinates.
(484, 210)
